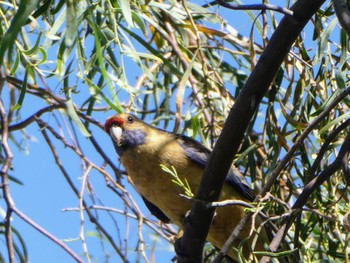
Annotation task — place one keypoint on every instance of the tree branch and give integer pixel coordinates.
(189, 248)
(342, 12)
(263, 7)
(6, 166)
(330, 137)
(47, 234)
(32, 118)
(310, 188)
(43, 127)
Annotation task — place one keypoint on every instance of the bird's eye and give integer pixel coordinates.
(130, 119)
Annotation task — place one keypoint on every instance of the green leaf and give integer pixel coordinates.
(177, 180)
(339, 78)
(24, 10)
(43, 55)
(16, 63)
(75, 118)
(188, 71)
(275, 254)
(100, 59)
(70, 108)
(326, 103)
(98, 90)
(34, 49)
(325, 39)
(19, 103)
(125, 8)
(43, 8)
(327, 127)
(139, 21)
(71, 24)
(153, 51)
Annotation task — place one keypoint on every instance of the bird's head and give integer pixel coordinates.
(126, 131)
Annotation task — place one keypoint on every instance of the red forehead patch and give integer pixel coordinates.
(113, 121)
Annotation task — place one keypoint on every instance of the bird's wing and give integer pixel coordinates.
(236, 179)
(199, 154)
(156, 211)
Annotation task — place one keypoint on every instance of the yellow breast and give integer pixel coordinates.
(143, 166)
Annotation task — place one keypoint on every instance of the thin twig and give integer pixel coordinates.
(262, 7)
(43, 126)
(280, 166)
(229, 202)
(155, 225)
(6, 166)
(81, 212)
(47, 234)
(311, 187)
(32, 118)
(330, 137)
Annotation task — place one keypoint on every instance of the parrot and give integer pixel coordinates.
(143, 148)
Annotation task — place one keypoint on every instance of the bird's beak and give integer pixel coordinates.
(116, 134)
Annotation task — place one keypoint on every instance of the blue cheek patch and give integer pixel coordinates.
(131, 138)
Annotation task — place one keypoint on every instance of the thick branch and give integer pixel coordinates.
(190, 246)
(342, 12)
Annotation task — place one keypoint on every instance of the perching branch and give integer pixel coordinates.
(190, 246)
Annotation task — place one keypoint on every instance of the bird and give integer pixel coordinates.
(143, 149)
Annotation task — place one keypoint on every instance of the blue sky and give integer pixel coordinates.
(45, 193)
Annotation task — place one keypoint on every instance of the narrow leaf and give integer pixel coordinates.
(71, 21)
(24, 10)
(23, 90)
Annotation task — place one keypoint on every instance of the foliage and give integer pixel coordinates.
(67, 65)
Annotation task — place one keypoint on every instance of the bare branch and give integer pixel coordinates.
(6, 183)
(32, 118)
(43, 126)
(47, 234)
(262, 7)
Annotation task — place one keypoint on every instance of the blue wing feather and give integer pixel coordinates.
(156, 211)
(199, 154)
